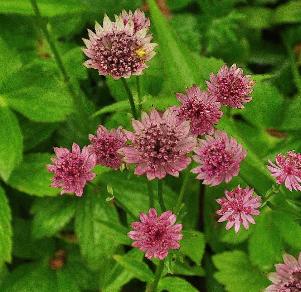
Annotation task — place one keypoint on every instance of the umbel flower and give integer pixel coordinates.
(159, 145)
(287, 170)
(287, 277)
(72, 169)
(156, 235)
(238, 207)
(219, 157)
(231, 87)
(105, 146)
(202, 110)
(121, 48)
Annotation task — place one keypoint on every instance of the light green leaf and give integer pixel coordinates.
(11, 143)
(261, 17)
(237, 274)
(289, 12)
(175, 284)
(32, 177)
(51, 215)
(193, 245)
(138, 268)
(5, 229)
(292, 115)
(230, 236)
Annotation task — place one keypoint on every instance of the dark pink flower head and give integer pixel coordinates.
(106, 144)
(219, 157)
(120, 48)
(72, 169)
(202, 110)
(160, 145)
(287, 170)
(238, 207)
(156, 235)
(138, 17)
(287, 277)
(231, 87)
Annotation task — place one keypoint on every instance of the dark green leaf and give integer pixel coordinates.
(175, 284)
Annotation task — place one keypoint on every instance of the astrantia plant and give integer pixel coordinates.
(159, 157)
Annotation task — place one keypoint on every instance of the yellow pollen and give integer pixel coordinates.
(140, 52)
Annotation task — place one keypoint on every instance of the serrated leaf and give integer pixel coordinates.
(5, 229)
(237, 274)
(11, 143)
(95, 243)
(32, 177)
(51, 215)
(193, 245)
(175, 284)
(265, 244)
(138, 268)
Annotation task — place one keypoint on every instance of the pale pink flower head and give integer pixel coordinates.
(219, 157)
(156, 235)
(159, 145)
(121, 48)
(202, 110)
(72, 169)
(287, 277)
(139, 19)
(106, 144)
(231, 87)
(238, 207)
(287, 170)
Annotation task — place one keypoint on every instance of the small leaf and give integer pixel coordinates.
(32, 177)
(175, 284)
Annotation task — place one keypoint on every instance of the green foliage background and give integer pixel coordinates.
(37, 112)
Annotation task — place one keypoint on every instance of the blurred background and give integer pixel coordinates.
(50, 243)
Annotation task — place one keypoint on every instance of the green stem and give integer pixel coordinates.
(160, 195)
(139, 93)
(158, 274)
(270, 193)
(78, 103)
(150, 194)
(182, 192)
(131, 98)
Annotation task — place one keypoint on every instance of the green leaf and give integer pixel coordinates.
(175, 284)
(230, 236)
(138, 268)
(288, 13)
(51, 215)
(32, 177)
(237, 274)
(261, 17)
(95, 243)
(5, 229)
(36, 92)
(193, 245)
(11, 143)
(292, 115)
(265, 244)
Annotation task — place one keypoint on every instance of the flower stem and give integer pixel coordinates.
(150, 194)
(270, 193)
(139, 93)
(77, 100)
(160, 195)
(158, 274)
(182, 191)
(131, 98)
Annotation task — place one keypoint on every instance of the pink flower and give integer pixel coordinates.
(105, 146)
(231, 87)
(219, 157)
(120, 48)
(237, 207)
(287, 277)
(287, 170)
(72, 170)
(202, 110)
(156, 235)
(160, 145)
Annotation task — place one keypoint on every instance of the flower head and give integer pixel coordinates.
(202, 110)
(105, 146)
(219, 157)
(160, 145)
(156, 235)
(120, 48)
(287, 277)
(237, 207)
(287, 170)
(72, 169)
(231, 87)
